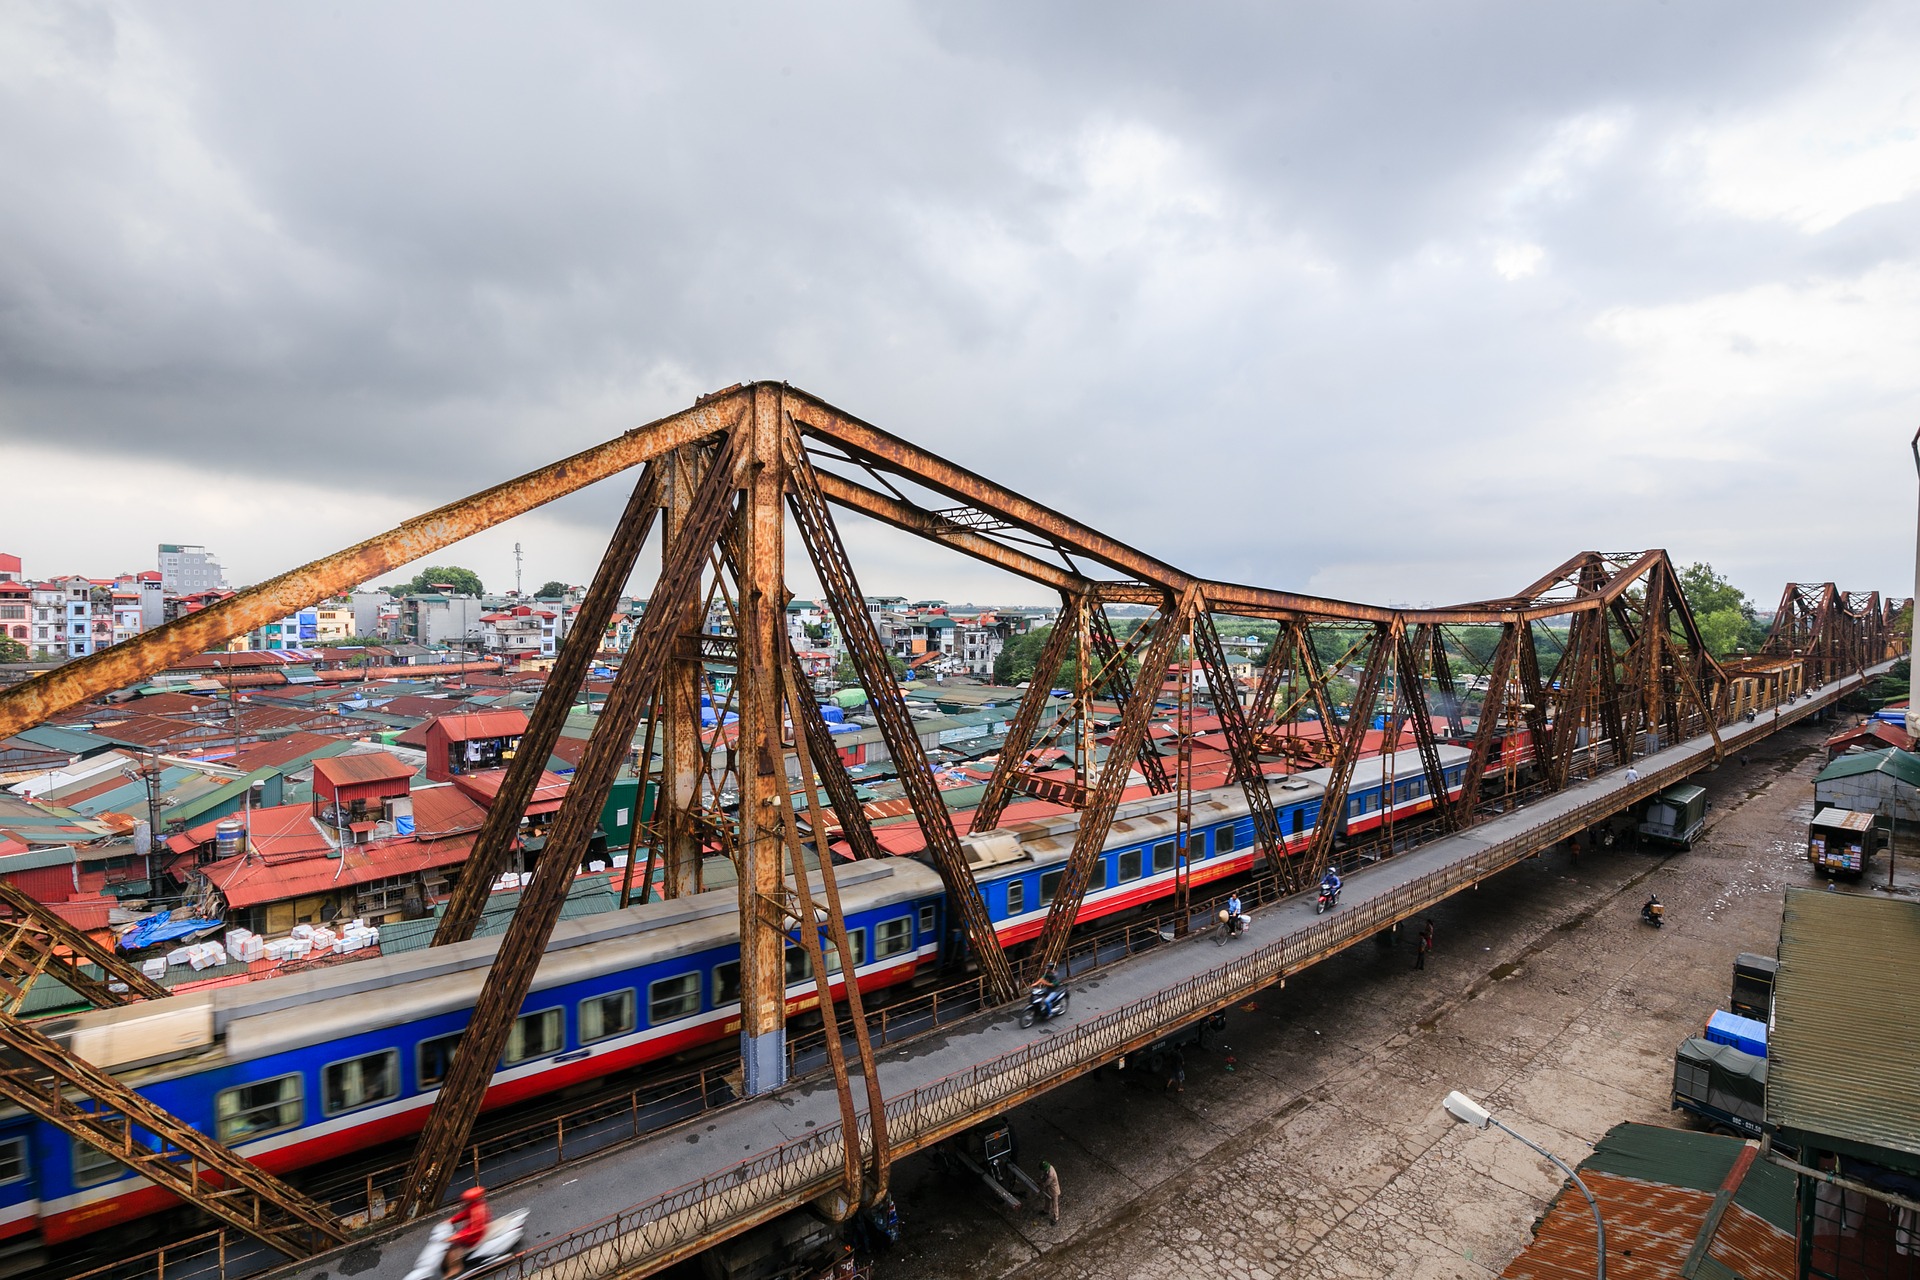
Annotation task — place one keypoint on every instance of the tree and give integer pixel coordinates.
(1018, 656)
(1723, 613)
(844, 672)
(463, 581)
(12, 650)
(550, 589)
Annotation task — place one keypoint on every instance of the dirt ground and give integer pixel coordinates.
(1309, 1140)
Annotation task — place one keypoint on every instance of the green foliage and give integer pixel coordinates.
(464, 581)
(1896, 685)
(844, 672)
(816, 632)
(1017, 658)
(12, 650)
(1723, 613)
(550, 589)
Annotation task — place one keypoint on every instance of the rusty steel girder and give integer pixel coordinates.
(1096, 820)
(501, 827)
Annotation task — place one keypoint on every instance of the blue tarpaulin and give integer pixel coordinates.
(1744, 1034)
(160, 928)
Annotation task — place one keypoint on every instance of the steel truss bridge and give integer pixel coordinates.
(1597, 664)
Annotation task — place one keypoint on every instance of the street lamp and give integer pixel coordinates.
(1469, 1112)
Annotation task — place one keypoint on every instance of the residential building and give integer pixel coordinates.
(521, 630)
(185, 570)
(371, 610)
(16, 610)
(9, 568)
(463, 744)
(153, 598)
(441, 618)
(978, 642)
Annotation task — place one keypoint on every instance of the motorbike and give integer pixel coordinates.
(502, 1238)
(1653, 912)
(1043, 1004)
(1327, 901)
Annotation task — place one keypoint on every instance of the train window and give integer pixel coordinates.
(726, 983)
(602, 1017)
(1050, 884)
(1356, 806)
(799, 964)
(251, 1110)
(926, 918)
(1016, 897)
(13, 1160)
(857, 943)
(1164, 855)
(891, 937)
(1129, 865)
(436, 1058)
(535, 1035)
(90, 1167)
(359, 1082)
(674, 997)
(1224, 840)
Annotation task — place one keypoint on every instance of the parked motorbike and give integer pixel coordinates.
(1043, 1004)
(502, 1238)
(1653, 912)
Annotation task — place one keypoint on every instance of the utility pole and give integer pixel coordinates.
(516, 568)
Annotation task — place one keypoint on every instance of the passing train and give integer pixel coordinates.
(304, 1068)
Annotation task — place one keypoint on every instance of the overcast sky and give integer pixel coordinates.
(1403, 303)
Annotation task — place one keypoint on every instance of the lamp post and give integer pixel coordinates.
(1913, 717)
(1468, 1112)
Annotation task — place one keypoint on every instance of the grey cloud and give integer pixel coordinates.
(429, 247)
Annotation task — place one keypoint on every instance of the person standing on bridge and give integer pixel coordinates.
(1424, 945)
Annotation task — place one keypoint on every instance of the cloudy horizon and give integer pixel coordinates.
(1384, 302)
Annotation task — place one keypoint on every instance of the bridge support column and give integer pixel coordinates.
(760, 751)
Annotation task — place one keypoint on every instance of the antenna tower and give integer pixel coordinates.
(516, 568)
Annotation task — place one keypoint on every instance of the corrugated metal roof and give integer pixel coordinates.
(1893, 761)
(371, 766)
(479, 724)
(1656, 1213)
(1846, 1018)
(52, 855)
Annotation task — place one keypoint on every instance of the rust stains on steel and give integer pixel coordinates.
(45, 695)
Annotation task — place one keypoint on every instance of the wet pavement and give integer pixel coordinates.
(1308, 1139)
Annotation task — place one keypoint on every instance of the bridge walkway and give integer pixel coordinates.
(647, 1203)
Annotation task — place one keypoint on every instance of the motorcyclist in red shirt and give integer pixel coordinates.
(469, 1229)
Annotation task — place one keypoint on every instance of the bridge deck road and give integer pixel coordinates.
(578, 1194)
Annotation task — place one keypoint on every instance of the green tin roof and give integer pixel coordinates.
(1841, 1067)
(1701, 1161)
(1893, 761)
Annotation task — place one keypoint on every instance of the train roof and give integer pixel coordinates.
(258, 1018)
(1047, 840)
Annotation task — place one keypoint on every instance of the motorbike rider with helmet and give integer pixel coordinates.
(469, 1229)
